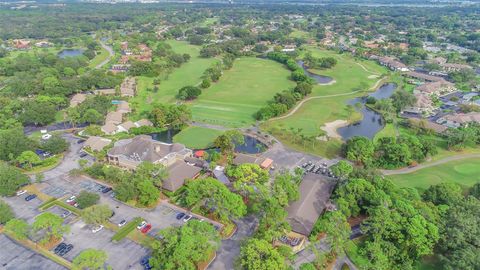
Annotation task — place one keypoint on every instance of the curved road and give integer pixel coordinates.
(110, 52)
(432, 164)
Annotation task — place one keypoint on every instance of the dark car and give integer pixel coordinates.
(83, 154)
(30, 197)
(80, 141)
(145, 261)
(65, 250)
(106, 190)
(59, 248)
(180, 216)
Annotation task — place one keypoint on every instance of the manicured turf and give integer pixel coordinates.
(241, 92)
(99, 58)
(197, 137)
(349, 77)
(465, 172)
(189, 73)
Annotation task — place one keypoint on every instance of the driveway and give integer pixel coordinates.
(230, 248)
(123, 255)
(16, 257)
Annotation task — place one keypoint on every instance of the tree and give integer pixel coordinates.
(189, 93)
(12, 143)
(475, 191)
(148, 194)
(335, 225)
(29, 158)
(247, 178)
(55, 145)
(155, 172)
(259, 254)
(360, 149)
(92, 116)
(443, 193)
(19, 228)
(214, 196)
(402, 99)
(183, 247)
(92, 259)
(96, 214)
(342, 169)
(227, 141)
(285, 188)
(86, 199)
(6, 212)
(11, 179)
(51, 225)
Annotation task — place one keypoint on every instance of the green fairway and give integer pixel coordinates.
(351, 75)
(197, 137)
(465, 172)
(189, 73)
(99, 58)
(241, 92)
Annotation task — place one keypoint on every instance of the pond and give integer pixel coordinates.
(318, 78)
(372, 121)
(251, 146)
(165, 136)
(70, 53)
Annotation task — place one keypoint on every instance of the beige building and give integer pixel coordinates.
(129, 153)
(96, 143)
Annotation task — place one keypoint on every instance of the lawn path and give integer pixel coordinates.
(369, 71)
(110, 52)
(428, 165)
(320, 97)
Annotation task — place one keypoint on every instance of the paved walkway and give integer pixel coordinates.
(110, 52)
(428, 165)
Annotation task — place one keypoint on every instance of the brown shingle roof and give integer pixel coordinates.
(109, 128)
(243, 158)
(96, 143)
(315, 191)
(177, 173)
(114, 117)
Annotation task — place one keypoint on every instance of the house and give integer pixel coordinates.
(43, 44)
(178, 172)
(21, 44)
(126, 126)
(425, 124)
(114, 117)
(423, 77)
(459, 119)
(109, 128)
(392, 64)
(106, 92)
(438, 88)
(128, 87)
(143, 123)
(129, 153)
(452, 67)
(243, 159)
(96, 143)
(289, 48)
(77, 99)
(266, 164)
(124, 107)
(315, 191)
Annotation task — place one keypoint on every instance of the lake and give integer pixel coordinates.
(318, 78)
(372, 121)
(70, 53)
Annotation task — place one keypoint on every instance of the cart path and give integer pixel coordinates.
(110, 52)
(428, 165)
(295, 109)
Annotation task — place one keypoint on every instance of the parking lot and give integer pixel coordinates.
(23, 209)
(123, 255)
(14, 256)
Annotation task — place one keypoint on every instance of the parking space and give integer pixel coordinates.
(56, 192)
(14, 256)
(24, 209)
(123, 255)
(63, 213)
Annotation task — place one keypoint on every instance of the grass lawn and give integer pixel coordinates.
(387, 131)
(350, 75)
(188, 74)
(99, 58)
(197, 137)
(465, 172)
(241, 92)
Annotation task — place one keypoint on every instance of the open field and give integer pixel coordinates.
(197, 137)
(241, 92)
(351, 76)
(465, 172)
(188, 74)
(99, 58)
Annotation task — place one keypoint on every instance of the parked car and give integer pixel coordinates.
(21, 192)
(71, 199)
(187, 218)
(106, 190)
(146, 229)
(83, 154)
(80, 141)
(97, 229)
(141, 225)
(145, 262)
(65, 250)
(60, 247)
(180, 216)
(66, 214)
(122, 223)
(30, 197)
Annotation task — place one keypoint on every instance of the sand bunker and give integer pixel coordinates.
(331, 128)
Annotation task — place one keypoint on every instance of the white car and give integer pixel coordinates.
(122, 223)
(71, 199)
(187, 218)
(21, 192)
(141, 225)
(97, 229)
